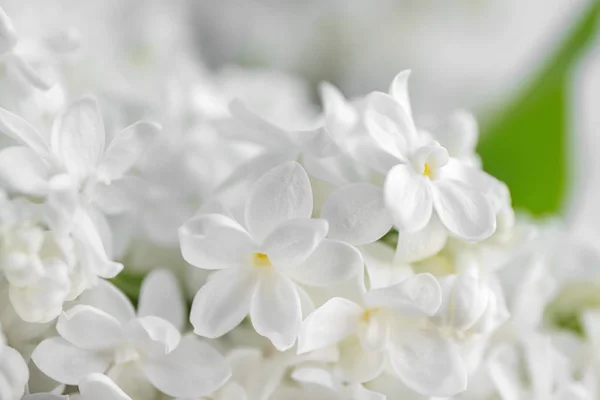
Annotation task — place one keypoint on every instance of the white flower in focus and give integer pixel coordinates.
(93, 387)
(390, 324)
(103, 335)
(262, 265)
(420, 176)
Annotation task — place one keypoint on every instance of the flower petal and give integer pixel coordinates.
(194, 369)
(381, 266)
(418, 295)
(213, 241)
(78, 137)
(465, 212)
(153, 336)
(160, 296)
(89, 328)
(275, 310)
(127, 147)
(281, 194)
(408, 197)
(427, 363)
(23, 170)
(330, 323)
(66, 363)
(332, 262)
(292, 242)
(100, 387)
(22, 131)
(357, 364)
(399, 90)
(107, 297)
(416, 246)
(8, 36)
(14, 373)
(223, 302)
(357, 214)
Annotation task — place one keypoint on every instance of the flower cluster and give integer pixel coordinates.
(222, 238)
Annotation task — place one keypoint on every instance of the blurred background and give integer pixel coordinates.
(526, 68)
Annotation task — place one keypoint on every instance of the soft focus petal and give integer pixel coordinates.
(330, 323)
(223, 302)
(66, 363)
(417, 246)
(13, 372)
(381, 267)
(214, 241)
(154, 337)
(427, 363)
(408, 198)
(160, 296)
(357, 364)
(399, 90)
(357, 214)
(20, 130)
(106, 297)
(332, 262)
(465, 212)
(192, 370)
(23, 170)
(394, 123)
(100, 387)
(78, 138)
(281, 194)
(292, 242)
(275, 310)
(420, 294)
(89, 328)
(126, 148)
(8, 36)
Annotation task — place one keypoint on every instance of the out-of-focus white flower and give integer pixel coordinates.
(392, 324)
(93, 387)
(133, 351)
(262, 265)
(13, 372)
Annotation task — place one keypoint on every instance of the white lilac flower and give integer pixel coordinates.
(421, 180)
(13, 372)
(390, 324)
(134, 350)
(262, 266)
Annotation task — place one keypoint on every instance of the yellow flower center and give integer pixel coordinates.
(368, 314)
(261, 260)
(427, 171)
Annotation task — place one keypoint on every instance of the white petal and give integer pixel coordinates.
(8, 36)
(160, 295)
(339, 115)
(465, 212)
(127, 147)
(357, 364)
(330, 323)
(275, 310)
(427, 363)
(417, 246)
(223, 302)
(78, 138)
(317, 142)
(20, 130)
(23, 170)
(89, 328)
(357, 214)
(281, 194)
(100, 387)
(14, 373)
(106, 297)
(66, 363)
(214, 241)
(192, 370)
(374, 332)
(381, 267)
(465, 299)
(292, 242)
(408, 197)
(332, 262)
(418, 295)
(154, 337)
(399, 90)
